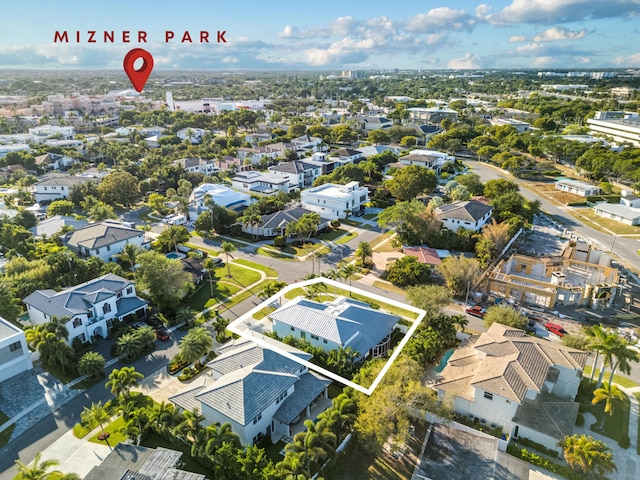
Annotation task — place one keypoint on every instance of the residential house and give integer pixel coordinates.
(577, 187)
(54, 161)
(341, 323)
(431, 116)
(426, 255)
(7, 172)
(220, 194)
(255, 138)
(56, 186)
(371, 150)
(194, 135)
(104, 240)
(256, 390)
(13, 147)
(348, 155)
(301, 174)
(582, 275)
(155, 131)
(523, 384)
(126, 461)
(335, 201)
(91, 306)
(324, 162)
(276, 223)
(627, 211)
(431, 159)
(261, 183)
(307, 142)
(52, 225)
(65, 133)
(206, 166)
(519, 125)
(255, 154)
(15, 357)
(370, 122)
(469, 214)
(193, 266)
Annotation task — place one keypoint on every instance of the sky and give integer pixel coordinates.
(328, 35)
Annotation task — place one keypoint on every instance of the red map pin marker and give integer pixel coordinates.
(138, 77)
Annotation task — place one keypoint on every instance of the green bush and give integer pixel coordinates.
(624, 442)
(534, 459)
(527, 442)
(279, 241)
(552, 173)
(335, 223)
(576, 204)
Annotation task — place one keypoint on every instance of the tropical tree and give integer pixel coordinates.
(122, 380)
(173, 236)
(340, 416)
(38, 469)
(586, 455)
(227, 248)
(210, 264)
(190, 424)
(220, 327)
(195, 344)
(270, 289)
(459, 273)
(165, 416)
(185, 315)
(95, 415)
(251, 218)
(146, 335)
(58, 326)
(364, 252)
(621, 357)
(129, 254)
(129, 345)
(91, 364)
(611, 395)
(505, 315)
(313, 445)
(349, 271)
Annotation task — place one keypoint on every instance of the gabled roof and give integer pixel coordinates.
(101, 234)
(296, 166)
(281, 218)
(52, 225)
(425, 255)
(78, 299)
(470, 210)
(61, 179)
(548, 414)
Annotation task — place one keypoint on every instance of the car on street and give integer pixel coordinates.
(476, 311)
(555, 329)
(162, 333)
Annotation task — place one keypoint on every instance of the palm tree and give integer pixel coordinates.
(270, 289)
(220, 327)
(364, 253)
(612, 397)
(91, 364)
(185, 315)
(146, 335)
(195, 344)
(348, 272)
(210, 265)
(97, 414)
(623, 355)
(460, 321)
(165, 416)
(315, 289)
(37, 469)
(129, 345)
(121, 381)
(227, 248)
(586, 455)
(315, 444)
(190, 425)
(252, 218)
(341, 416)
(129, 254)
(58, 326)
(597, 336)
(174, 235)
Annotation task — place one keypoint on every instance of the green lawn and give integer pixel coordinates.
(616, 425)
(259, 315)
(242, 276)
(619, 379)
(370, 216)
(210, 250)
(347, 238)
(388, 287)
(331, 235)
(202, 299)
(348, 221)
(294, 250)
(269, 272)
(80, 431)
(5, 435)
(115, 435)
(273, 253)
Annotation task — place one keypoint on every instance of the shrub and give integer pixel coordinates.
(527, 442)
(280, 241)
(335, 223)
(624, 441)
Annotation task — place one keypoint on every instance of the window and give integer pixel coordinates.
(108, 248)
(293, 329)
(15, 346)
(77, 322)
(106, 308)
(314, 337)
(257, 419)
(129, 290)
(488, 396)
(324, 340)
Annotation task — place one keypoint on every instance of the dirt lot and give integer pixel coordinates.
(550, 191)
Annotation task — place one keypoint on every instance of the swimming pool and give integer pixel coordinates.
(172, 255)
(445, 359)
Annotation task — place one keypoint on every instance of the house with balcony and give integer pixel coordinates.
(194, 135)
(57, 186)
(257, 391)
(430, 159)
(301, 174)
(525, 385)
(105, 239)
(206, 166)
(15, 356)
(91, 307)
(260, 183)
(341, 323)
(335, 201)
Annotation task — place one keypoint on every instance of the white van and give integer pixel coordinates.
(177, 220)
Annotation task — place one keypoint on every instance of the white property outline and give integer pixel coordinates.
(248, 331)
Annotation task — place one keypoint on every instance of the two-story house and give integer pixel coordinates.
(469, 214)
(431, 159)
(206, 166)
(301, 174)
(341, 323)
(335, 201)
(15, 357)
(256, 390)
(524, 384)
(104, 239)
(91, 306)
(56, 186)
(261, 183)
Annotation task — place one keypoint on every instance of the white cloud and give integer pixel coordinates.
(469, 61)
(289, 32)
(441, 18)
(518, 38)
(583, 60)
(631, 61)
(544, 61)
(555, 34)
(562, 11)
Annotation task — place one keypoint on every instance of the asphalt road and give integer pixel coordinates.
(624, 248)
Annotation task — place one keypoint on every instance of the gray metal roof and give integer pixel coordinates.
(249, 354)
(52, 225)
(308, 387)
(470, 210)
(548, 414)
(100, 235)
(281, 218)
(74, 300)
(62, 179)
(7, 329)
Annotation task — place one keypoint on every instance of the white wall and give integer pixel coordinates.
(14, 358)
(499, 410)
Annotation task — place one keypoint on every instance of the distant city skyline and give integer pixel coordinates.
(332, 35)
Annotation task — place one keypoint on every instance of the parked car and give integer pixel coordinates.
(476, 311)
(154, 322)
(555, 329)
(162, 333)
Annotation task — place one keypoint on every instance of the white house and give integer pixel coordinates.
(583, 189)
(307, 142)
(205, 166)
(433, 115)
(519, 125)
(370, 122)
(13, 147)
(104, 239)
(335, 201)
(627, 211)
(54, 161)
(427, 158)
(348, 155)
(301, 174)
(15, 357)
(258, 182)
(255, 154)
(194, 135)
(470, 215)
(524, 384)
(56, 186)
(343, 322)
(91, 306)
(258, 391)
(220, 194)
(275, 224)
(66, 133)
(620, 130)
